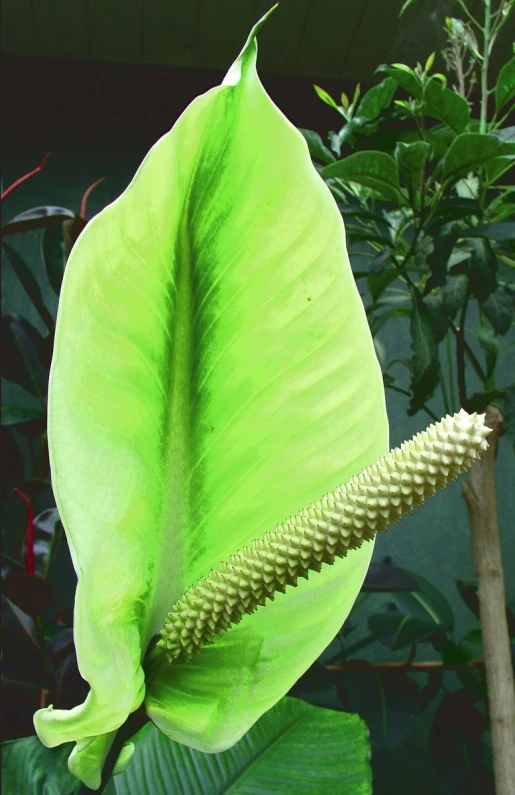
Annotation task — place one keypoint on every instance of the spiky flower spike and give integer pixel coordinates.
(340, 521)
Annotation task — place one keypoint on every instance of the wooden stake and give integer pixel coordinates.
(479, 491)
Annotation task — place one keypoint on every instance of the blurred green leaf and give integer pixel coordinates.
(397, 631)
(501, 231)
(377, 283)
(424, 363)
(404, 77)
(469, 151)
(490, 346)
(438, 260)
(468, 592)
(30, 285)
(481, 268)
(375, 170)
(411, 159)
(446, 105)
(453, 293)
(327, 98)
(499, 308)
(52, 247)
(387, 702)
(376, 99)
(407, 4)
(380, 260)
(434, 303)
(36, 218)
(317, 149)
(505, 86)
(426, 603)
(21, 364)
(15, 415)
(452, 209)
(455, 744)
(508, 410)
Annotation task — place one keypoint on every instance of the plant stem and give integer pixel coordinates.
(484, 66)
(405, 392)
(469, 353)
(414, 667)
(460, 355)
(449, 371)
(479, 491)
(444, 390)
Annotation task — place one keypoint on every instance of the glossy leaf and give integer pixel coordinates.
(53, 250)
(505, 86)
(424, 363)
(452, 209)
(36, 218)
(20, 347)
(385, 578)
(220, 375)
(317, 149)
(469, 151)
(30, 285)
(404, 77)
(327, 98)
(490, 346)
(482, 268)
(426, 603)
(439, 101)
(499, 308)
(434, 303)
(411, 159)
(376, 99)
(438, 260)
(16, 415)
(31, 769)
(502, 231)
(291, 749)
(375, 170)
(453, 293)
(396, 630)
(447, 106)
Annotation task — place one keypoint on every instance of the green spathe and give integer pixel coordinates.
(213, 373)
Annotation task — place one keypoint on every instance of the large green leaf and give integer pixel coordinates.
(375, 170)
(213, 373)
(469, 151)
(411, 159)
(28, 768)
(505, 86)
(294, 747)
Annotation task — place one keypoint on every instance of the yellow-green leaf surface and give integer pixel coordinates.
(213, 374)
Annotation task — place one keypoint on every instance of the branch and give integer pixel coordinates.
(413, 667)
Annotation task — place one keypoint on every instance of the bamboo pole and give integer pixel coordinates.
(479, 491)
